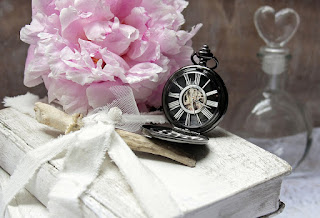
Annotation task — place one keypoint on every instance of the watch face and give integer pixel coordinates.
(195, 98)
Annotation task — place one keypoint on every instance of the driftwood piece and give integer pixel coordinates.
(51, 116)
(143, 144)
(57, 119)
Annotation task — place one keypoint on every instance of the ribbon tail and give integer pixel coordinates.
(28, 167)
(81, 167)
(153, 196)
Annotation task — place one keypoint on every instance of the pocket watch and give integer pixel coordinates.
(194, 101)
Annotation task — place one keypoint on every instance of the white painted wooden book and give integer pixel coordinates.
(232, 178)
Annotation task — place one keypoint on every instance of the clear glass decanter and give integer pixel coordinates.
(270, 117)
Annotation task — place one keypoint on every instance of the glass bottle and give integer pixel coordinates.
(270, 117)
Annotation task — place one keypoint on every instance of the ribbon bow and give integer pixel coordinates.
(86, 150)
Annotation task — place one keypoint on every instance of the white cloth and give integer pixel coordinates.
(85, 153)
(23, 103)
(81, 167)
(301, 191)
(301, 196)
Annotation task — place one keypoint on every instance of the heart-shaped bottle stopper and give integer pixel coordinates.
(276, 29)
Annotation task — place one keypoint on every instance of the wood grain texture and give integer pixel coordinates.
(229, 171)
(20, 133)
(228, 28)
(24, 204)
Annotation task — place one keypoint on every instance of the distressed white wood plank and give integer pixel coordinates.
(24, 204)
(233, 177)
(20, 133)
(228, 166)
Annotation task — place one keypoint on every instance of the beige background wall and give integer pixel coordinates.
(228, 29)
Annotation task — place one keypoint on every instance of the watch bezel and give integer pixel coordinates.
(222, 103)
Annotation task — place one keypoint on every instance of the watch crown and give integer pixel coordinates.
(204, 55)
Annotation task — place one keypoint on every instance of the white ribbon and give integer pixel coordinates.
(86, 150)
(81, 166)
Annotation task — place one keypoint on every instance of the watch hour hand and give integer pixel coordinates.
(194, 111)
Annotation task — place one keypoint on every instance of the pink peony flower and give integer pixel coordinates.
(81, 48)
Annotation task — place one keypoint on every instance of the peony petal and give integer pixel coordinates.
(70, 95)
(122, 8)
(35, 67)
(144, 51)
(155, 98)
(184, 36)
(182, 58)
(141, 94)
(61, 4)
(143, 71)
(44, 6)
(164, 61)
(87, 46)
(96, 9)
(168, 41)
(29, 33)
(82, 48)
(97, 31)
(71, 25)
(179, 5)
(163, 15)
(112, 35)
(113, 59)
(138, 18)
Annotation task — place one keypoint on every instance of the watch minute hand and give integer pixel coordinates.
(203, 104)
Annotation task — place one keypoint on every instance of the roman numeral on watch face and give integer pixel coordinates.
(177, 84)
(174, 104)
(212, 92)
(174, 95)
(191, 99)
(197, 78)
(198, 118)
(188, 81)
(212, 103)
(207, 113)
(179, 114)
(188, 121)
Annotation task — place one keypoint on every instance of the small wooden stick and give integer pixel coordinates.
(58, 119)
(140, 143)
